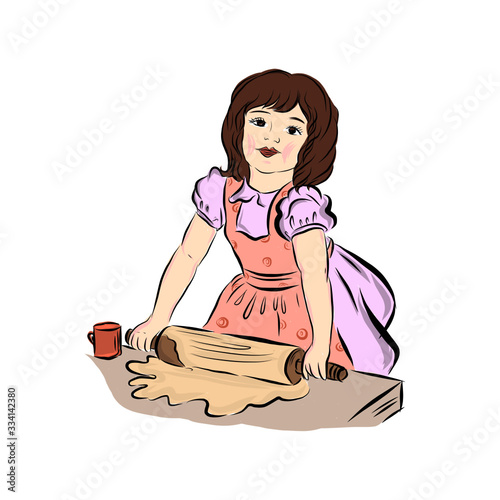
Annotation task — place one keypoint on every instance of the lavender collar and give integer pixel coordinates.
(253, 216)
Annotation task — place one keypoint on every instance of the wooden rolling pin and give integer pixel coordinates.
(248, 356)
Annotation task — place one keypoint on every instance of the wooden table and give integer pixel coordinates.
(361, 400)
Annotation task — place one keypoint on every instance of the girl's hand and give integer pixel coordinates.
(315, 361)
(143, 334)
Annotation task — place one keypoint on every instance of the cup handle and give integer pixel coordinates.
(90, 336)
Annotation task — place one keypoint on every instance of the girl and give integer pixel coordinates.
(296, 286)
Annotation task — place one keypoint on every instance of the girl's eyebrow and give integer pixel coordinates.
(298, 119)
(260, 112)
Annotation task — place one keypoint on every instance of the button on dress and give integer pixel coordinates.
(266, 299)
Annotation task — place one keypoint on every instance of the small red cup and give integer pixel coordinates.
(106, 339)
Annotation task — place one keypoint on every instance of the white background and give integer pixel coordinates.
(125, 207)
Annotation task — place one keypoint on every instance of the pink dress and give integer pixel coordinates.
(266, 299)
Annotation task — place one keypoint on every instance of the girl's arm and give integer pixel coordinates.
(312, 259)
(176, 278)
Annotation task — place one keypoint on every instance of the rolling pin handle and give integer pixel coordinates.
(333, 371)
(127, 336)
(154, 342)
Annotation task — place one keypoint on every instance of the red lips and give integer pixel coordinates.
(268, 152)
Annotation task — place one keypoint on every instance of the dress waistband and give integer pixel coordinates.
(272, 281)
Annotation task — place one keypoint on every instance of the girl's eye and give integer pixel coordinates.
(258, 122)
(294, 130)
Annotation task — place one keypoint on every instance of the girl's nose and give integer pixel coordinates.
(276, 140)
(272, 136)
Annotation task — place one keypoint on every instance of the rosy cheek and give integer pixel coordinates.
(250, 145)
(287, 150)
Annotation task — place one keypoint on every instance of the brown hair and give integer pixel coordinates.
(283, 91)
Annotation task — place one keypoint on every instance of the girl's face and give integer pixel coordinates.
(272, 140)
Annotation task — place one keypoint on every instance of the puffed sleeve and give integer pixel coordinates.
(208, 197)
(303, 209)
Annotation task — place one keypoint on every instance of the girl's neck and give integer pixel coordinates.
(269, 182)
